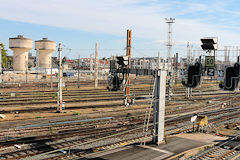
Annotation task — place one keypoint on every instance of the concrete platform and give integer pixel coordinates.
(176, 144)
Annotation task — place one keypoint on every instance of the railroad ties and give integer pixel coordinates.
(228, 150)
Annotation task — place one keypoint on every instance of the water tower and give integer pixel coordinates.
(45, 47)
(20, 46)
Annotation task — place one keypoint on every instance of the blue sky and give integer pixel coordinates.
(78, 24)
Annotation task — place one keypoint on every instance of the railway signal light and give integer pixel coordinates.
(112, 64)
(194, 75)
(209, 43)
(63, 61)
(231, 77)
(122, 60)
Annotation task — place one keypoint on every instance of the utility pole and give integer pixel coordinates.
(96, 68)
(51, 80)
(135, 63)
(170, 21)
(189, 53)
(189, 61)
(60, 78)
(225, 55)
(181, 63)
(0, 64)
(78, 71)
(91, 66)
(176, 68)
(104, 65)
(26, 64)
(129, 39)
(37, 63)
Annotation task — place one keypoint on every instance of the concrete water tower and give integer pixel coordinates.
(45, 47)
(20, 46)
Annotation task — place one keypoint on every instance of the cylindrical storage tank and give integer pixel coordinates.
(45, 48)
(20, 46)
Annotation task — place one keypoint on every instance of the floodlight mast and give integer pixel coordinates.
(169, 45)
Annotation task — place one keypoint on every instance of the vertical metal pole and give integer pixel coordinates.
(91, 66)
(189, 53)
(37, 63)
(228, 54)
(187, 92)
(51, 80)
(136, 63)
(26, 64)
(188, 62)
(237, 52)
(181, 63)
(0, 64)
(149, 64)
(78, 71)
(159, 61)
(176, 69)
(104, 65)
(129, 39)
(170, 21)
(159, 106)
(14, 76)
(60, 78)
(225, 55)
(96, 68)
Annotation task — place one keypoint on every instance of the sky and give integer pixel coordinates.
(79, 24)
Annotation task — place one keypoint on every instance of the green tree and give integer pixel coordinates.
(4, 56)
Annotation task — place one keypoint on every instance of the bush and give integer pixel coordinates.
(39, 117)
(76, 113)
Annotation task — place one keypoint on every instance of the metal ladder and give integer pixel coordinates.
(148, 115)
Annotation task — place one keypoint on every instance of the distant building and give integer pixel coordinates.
(85, 63)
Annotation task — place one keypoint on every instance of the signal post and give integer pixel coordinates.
(127, 90)
(60, 76)
(159, 90)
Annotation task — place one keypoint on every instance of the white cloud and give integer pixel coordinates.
(145, 18)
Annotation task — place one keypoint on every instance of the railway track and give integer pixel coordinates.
(84, 132)
(138, 115)
(75, 134)
(228, 150)
(168, 112)
(83, 153)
